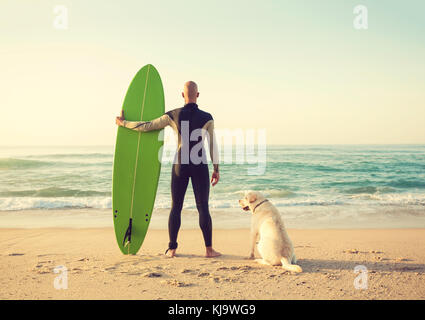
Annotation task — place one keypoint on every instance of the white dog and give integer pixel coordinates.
(274, 244)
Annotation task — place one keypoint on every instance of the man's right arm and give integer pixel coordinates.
(145, 126)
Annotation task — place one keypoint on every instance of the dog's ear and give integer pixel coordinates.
(251, 197)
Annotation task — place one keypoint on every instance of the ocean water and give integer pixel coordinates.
(313, 186)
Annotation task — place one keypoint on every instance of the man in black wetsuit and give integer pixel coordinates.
(192, 125)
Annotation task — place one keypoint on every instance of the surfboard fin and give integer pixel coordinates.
(127, 235)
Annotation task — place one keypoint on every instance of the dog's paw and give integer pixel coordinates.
(250, 257)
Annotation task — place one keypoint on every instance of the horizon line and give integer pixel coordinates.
(268, 144)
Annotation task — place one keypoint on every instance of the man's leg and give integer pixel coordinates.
(179, 184)
(201, 189)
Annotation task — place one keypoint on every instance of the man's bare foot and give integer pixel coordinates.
(171, 253)
(211, 253)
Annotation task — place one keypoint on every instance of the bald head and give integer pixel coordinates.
(190, 92)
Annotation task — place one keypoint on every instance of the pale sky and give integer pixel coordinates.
(297, 68)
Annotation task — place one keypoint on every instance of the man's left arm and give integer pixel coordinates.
(213, 151)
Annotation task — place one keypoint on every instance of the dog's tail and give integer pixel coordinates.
(290, 267)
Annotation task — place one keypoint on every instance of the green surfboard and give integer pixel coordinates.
(137, 162)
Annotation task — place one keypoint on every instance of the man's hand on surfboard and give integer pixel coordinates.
(120, 120)
(214, 178)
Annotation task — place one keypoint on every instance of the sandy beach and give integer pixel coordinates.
(394, 258)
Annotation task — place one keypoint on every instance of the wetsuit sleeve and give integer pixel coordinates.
(144, 126)
(213, 145)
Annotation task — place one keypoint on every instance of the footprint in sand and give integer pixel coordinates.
(352, 251)
(403, 259)
(176, 283)
(242, 268)
(43, 267)
(186, 271)
(379, 258)
(76, 270)
(83, 259)
(222, 269)
(107, 269)
(152, 275)
(332, 277)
